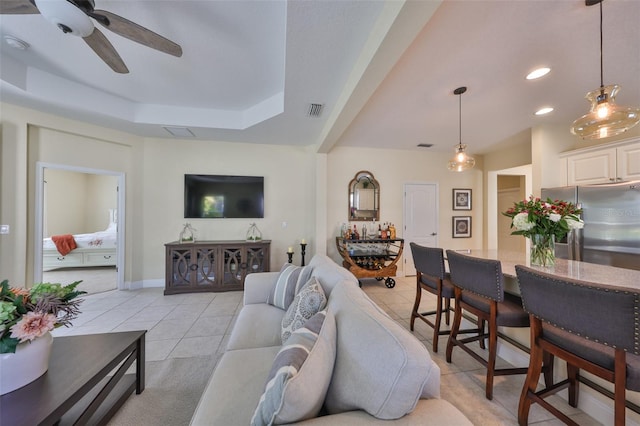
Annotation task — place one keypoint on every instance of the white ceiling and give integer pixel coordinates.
(384, 70)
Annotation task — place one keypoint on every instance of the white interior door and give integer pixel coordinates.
(420, 219)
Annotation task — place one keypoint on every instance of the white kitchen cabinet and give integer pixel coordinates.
(606, 165)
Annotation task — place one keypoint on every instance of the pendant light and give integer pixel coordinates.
(605, 117)
(461, 161)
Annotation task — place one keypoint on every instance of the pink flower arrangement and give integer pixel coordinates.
(28, 314)
(32, 325)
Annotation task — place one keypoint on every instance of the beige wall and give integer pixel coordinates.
(77, 203)
(289, 183)
(392, 169)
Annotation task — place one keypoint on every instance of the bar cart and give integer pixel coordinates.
(371, 258)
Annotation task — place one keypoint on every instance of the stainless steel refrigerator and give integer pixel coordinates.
(611, 234)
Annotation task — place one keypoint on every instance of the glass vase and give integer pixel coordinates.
(543, 251)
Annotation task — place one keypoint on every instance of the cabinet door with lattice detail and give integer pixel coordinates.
(206, 272)
(257, 259)
(234, 268)
(179, 267)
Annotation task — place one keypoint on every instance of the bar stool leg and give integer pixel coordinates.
(416, 304)
(547, 368)
(453, 334)
(531, 381)
(481, 331)
(573, 373)
(491, 361)
(447, 316)
(436, 328)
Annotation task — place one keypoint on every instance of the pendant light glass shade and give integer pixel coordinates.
(461, 161)
(605, 118)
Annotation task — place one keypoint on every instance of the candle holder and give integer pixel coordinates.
(290, 255)
(303, 248)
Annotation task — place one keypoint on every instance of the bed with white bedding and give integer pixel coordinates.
(95, 249)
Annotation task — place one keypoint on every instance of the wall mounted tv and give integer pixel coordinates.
(221, 196)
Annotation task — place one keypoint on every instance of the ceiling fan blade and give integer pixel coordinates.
(137, 33)
(103, 48)
(17, 7)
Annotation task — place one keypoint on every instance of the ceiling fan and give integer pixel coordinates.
(72, 17)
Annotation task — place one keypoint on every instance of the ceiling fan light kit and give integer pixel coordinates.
(66, 16)
(74, 17)
(606, 118)
(461, 160)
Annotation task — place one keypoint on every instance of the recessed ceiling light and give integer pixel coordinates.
(543, 111)
(537, 73)
(16, 43)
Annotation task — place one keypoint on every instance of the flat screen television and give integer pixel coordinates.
(222, 196)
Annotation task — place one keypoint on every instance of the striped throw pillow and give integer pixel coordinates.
(300, 374)
(285, 288)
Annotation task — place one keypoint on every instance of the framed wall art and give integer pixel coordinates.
(461, 226)
(461, 199)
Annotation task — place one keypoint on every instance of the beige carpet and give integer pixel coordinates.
(94, 280)
(173, 389)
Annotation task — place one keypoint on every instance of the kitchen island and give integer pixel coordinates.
(608, 276)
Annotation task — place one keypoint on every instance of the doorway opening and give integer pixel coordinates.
(83, 208)
(504, 188)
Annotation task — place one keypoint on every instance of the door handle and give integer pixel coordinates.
(433, 234)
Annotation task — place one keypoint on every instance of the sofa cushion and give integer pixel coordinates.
(308, 302)
(284, 290)
(257, 325)
(233, 392)
(380, 367)
(300, 374)
(329, 273)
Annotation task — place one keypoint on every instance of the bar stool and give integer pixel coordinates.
(431, 276)
(479, 289)
(591, 327)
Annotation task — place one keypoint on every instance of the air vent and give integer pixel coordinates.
(179, 132)
(315, 110)
(425, 145)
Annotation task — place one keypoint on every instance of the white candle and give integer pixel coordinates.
(303, 241)
(290, 250)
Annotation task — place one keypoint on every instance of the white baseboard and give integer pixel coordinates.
(137, 285)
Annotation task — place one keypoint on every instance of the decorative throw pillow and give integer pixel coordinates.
(300, 374)
(285, 288)
(303, 278)
(309, 301)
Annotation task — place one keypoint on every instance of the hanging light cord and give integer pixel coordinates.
(459, 91)
(460, 119)
(601, 58)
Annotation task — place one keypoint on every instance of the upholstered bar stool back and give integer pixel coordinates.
(432, 277)
(591, 327)
(479, 289)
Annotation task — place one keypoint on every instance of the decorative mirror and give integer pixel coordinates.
(364, 197)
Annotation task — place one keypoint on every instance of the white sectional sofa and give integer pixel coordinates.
(359, 367)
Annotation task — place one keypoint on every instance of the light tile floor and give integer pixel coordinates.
(197, 326)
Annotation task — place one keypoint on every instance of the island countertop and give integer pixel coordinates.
(598, 274)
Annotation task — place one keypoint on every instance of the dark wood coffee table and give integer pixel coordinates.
(82, 385)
